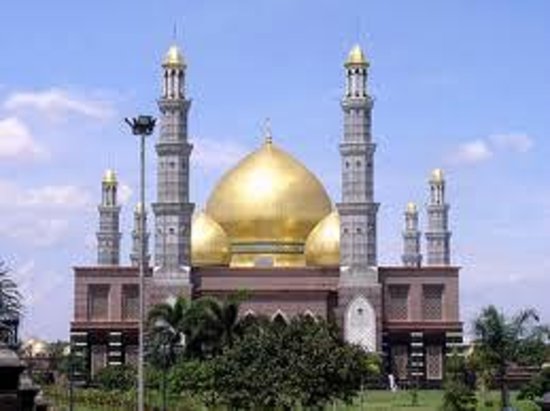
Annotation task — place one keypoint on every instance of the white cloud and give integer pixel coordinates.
(212, 154)
(520, 143)
(124, 193)
(56, 102)
(471, 153)
(49, 196)
(16, 141)
(37, 232)
(480, 150)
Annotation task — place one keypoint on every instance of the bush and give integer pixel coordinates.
(459, 393)
(116, 377)
(538, 385)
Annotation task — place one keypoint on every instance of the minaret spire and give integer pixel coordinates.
(173, 209)
(411, 238)
(437, 234)
(357, 209)
(136, 243)
(108, 235)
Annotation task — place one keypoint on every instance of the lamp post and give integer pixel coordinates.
(141, 126)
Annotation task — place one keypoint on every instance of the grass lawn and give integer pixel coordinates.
(372, 401)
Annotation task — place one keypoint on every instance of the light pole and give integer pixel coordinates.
(141, 126)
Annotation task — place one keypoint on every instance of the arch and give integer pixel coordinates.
(279, 317)
(360, 323)
(309, 315)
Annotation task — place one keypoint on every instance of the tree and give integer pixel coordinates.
(222, 325)
(116, 377)
(501, 342)
(10, 304)
(305, 362)
(459, 392)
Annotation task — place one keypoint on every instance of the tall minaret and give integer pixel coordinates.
(136, 243)
(437, 234)
(357, 209)
(108, 236)
(411, 238)
(173, 210)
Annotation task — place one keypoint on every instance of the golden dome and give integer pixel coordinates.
(323, 243)
(173, 57)
(209, 243)
(411, 208)
(36, 348)
(267, 204)
(356, 56)
(109, 177)
(437, 175)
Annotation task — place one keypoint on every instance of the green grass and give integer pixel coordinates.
(377, 401)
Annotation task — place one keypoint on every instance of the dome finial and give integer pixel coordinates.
(437, 175)
(110, 176)
(356, 56)
(268, 136)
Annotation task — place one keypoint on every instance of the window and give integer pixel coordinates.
(434, 362)
(398, 306)
(98, 301)
(130, 302)
(432, 302)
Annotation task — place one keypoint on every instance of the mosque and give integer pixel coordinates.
(269, 227)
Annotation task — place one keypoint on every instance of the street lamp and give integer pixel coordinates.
(141, 126)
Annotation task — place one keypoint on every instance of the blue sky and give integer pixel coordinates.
(462, 85)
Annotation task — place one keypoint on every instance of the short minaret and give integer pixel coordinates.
(411, 238)
(108, 236)
(136, 243)
(437, 234)
(357, 209)
(173, 210)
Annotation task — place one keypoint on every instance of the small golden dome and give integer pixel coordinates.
(268, 203)
(138, 208)
(437, 175)
(36, 348)
(209, 243)
(323, 243)
(173, 57)
(411, 208)
(109, 177)
(356, 56)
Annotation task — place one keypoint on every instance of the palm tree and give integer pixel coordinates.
(10, 304)
(501, 342)
(222, 324)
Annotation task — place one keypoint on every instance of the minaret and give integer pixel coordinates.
(173, 210)
(108, 236)
(411, 238)
(136, 247)
(359, 290)
(357, 209)
(437, 234)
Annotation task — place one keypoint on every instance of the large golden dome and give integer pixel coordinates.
(323, 244)
(267, 204)
(209, 243)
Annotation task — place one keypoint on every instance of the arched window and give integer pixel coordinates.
(360, 323)
(279, 318)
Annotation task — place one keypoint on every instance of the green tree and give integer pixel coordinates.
(10, 304)
(459, 392)
(116, 377)
(306, 362)
(502, 341)
(537, 386)
(222, 325)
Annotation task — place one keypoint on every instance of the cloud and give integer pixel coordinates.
(481, 150)
(57, 102)
(49, 196)
(471, 153)
(520, 143)
(212, 154)
(37, 232)
(17, 143)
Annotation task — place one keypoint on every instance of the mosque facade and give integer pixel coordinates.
(270, 228)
